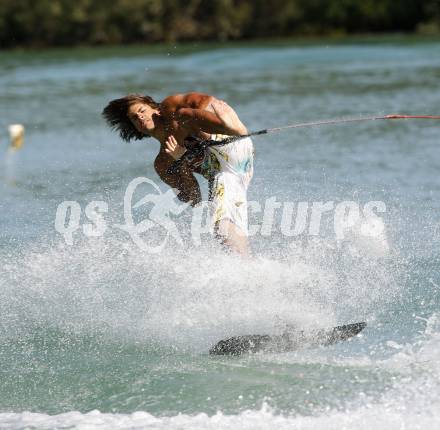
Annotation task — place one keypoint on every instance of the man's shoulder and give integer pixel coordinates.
(192, 99)
(196, 100)
(172, 102)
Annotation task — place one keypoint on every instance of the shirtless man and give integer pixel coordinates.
(228, 168)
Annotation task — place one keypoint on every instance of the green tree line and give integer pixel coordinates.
(79, 22)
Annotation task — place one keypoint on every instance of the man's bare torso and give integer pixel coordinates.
(171, 106)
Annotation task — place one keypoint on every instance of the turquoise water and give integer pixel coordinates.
(103, 334)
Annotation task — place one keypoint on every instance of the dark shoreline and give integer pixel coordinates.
(181, 48)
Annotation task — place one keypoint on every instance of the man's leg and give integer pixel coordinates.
(232, 237)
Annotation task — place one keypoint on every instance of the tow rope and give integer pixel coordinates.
(199, 146)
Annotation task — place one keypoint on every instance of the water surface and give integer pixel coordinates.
(101, 333)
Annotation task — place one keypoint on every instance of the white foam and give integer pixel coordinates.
(372, 415)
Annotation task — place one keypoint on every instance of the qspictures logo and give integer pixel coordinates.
(160, 210)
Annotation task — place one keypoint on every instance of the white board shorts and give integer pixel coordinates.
(229, 170)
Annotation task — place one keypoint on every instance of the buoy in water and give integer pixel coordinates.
(16, 134)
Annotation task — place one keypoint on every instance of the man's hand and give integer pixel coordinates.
(173, 148)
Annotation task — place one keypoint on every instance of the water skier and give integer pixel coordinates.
(174, 122)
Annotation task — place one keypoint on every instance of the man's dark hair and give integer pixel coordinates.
(116, 115)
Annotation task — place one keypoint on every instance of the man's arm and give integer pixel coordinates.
(184, 182)
(206, 121)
